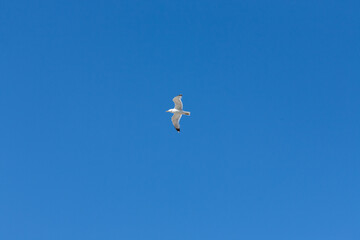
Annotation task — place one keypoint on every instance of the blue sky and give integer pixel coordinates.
(270, 151)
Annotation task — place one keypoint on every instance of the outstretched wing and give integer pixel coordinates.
(176, 121)
(178, 103)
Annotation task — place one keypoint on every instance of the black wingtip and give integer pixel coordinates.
(177, 129)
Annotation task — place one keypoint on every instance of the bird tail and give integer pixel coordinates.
(187, 113)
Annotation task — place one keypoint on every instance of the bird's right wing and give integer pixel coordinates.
(178, 102)
(176, 121)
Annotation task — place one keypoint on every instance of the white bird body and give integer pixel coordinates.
(178, 112)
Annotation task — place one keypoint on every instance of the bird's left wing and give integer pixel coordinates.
(178, 102)
(176, 121)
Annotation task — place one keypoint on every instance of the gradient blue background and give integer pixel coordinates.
(271, 150)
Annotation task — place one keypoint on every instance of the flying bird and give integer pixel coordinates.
(178, 112)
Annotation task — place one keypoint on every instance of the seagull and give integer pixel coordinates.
(178, 112)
